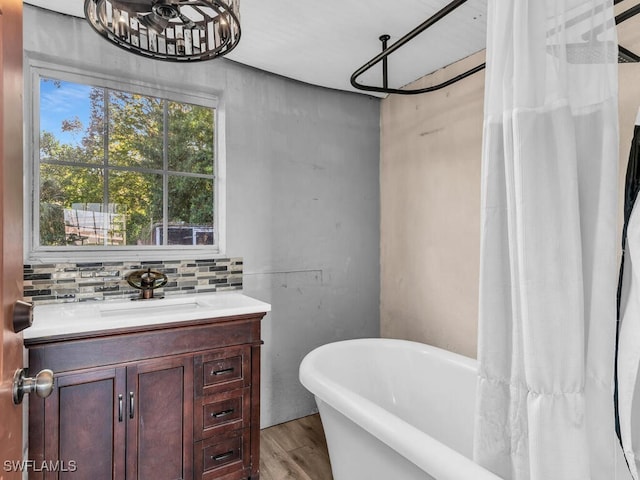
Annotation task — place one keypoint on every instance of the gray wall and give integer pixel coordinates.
(302, 196)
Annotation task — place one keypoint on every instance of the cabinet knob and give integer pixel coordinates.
(41, 384)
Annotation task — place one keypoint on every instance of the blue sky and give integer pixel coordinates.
(64, 101)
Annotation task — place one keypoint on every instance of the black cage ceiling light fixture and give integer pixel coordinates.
(174, 30)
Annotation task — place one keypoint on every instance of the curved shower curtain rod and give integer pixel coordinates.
(624, 55)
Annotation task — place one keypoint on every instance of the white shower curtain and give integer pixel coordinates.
(548, 247)
(628, 357)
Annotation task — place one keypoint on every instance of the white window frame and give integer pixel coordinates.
(35, 253)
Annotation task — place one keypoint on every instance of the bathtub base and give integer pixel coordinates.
(357, 455)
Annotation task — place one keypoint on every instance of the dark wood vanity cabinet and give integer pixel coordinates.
(123, 422)
(173, 401)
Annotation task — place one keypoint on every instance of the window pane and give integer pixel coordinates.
(64, 193)
(138, 198)
(190, 138)
(135, 130)
(71, 122)
(190, 211)
(112, 162)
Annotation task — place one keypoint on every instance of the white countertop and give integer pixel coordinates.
(83, 317)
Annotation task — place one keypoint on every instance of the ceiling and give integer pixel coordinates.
(324, 42)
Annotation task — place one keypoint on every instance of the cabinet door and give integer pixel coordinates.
(160, 419)
(84, 433)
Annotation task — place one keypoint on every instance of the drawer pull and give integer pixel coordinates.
(222, 456)
(223, 413)
(222, 372)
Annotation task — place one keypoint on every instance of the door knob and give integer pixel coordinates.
(41, 384)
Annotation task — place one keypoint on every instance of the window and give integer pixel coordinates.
(121, 170)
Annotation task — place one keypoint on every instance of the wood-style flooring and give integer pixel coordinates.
(295, 450)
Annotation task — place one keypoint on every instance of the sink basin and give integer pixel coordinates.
(73, 319)
(149, 307)
(150, 310)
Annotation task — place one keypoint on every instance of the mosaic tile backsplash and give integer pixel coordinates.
(78, 282)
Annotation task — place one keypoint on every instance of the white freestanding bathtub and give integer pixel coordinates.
(395, 410)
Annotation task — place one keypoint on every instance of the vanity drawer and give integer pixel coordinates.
(222, 369)
(221, 413)
(220, 456)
